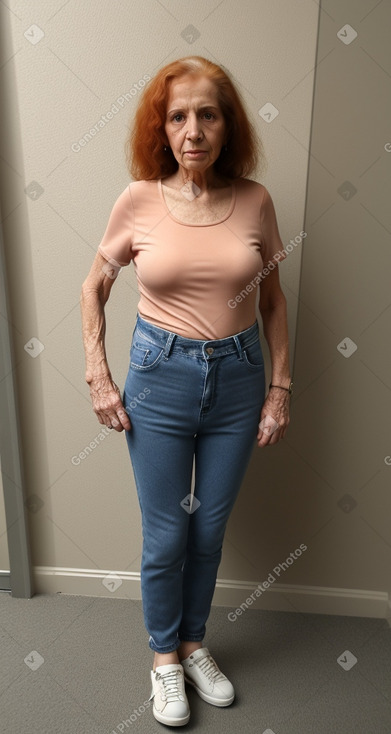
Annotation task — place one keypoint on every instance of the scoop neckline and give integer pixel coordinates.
(200, 224)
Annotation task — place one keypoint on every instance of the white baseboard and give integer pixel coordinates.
(228, 593)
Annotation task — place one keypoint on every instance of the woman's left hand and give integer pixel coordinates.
(274, 419)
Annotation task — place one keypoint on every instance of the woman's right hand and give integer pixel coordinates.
(107, 404)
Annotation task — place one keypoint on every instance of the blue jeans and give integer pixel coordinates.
(188, 398)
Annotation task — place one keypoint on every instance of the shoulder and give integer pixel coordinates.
(143, 193)
(143, 187)
(252, 191)
(250, 186)
(143, 183)
(249, 183)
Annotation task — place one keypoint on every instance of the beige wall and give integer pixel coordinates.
(91, 54)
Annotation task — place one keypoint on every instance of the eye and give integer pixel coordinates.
(209, 115)
(175, 117)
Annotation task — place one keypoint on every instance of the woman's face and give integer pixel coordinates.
(195, 125)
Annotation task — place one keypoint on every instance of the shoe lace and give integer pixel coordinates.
(210, 668)
(170, 684)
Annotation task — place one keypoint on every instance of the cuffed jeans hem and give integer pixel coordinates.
(164, 648)
(170, 648)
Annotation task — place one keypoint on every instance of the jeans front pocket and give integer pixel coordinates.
(145, 355)
(253, 357)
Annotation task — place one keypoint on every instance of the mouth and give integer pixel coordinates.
(195, 153)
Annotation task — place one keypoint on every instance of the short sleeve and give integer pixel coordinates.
(272, 247)
(116, 244)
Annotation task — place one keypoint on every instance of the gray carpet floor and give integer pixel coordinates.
(81, 665)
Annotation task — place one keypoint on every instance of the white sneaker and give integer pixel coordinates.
(202, 672)
(170, 704)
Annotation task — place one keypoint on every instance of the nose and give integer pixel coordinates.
(194, 131)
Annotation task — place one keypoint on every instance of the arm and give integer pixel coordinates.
(105, 394)
(272, 306)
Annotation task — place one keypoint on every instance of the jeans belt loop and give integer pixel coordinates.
(238, 346)
(169, 343)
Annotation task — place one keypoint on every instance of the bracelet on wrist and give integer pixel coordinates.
(288, 389)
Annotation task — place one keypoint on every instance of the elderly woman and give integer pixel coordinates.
(202, 237)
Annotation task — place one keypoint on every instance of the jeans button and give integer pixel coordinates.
(210, 350)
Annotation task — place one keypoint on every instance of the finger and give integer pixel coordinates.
(120, 420)
(123, 415)
(261, 436)
(275, 437)
(260, 431)
(262, 444)
(120, 414)
(124, 418)
(269, 438)
(101, 418)
(106, 419)
(263, 439)
(114, 422)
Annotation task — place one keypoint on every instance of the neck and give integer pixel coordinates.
(205, 180)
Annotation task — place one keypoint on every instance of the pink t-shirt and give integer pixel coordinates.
(197, 280)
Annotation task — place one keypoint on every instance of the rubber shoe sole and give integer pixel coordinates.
(170, 722)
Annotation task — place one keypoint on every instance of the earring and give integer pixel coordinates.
(165, 148)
